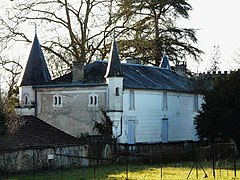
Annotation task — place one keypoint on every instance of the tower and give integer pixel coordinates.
(114, 78)
(35, 73)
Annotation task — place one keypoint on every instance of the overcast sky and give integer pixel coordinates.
(219, 25)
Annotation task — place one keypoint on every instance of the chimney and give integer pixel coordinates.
(181, 69)
(133, 61)
(78, 71)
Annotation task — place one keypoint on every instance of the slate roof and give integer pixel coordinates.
(135, 77)
(114, 65)
(32, 132)
(36, 70)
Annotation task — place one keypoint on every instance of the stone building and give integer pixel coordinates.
(146, 104)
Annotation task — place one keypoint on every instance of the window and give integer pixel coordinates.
(26, 99)
(57, 101)
(117, 91)
(195, 102)
(131, 100)
(164, 102)
(93, 100)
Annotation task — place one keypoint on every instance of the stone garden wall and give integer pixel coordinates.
(50, 158)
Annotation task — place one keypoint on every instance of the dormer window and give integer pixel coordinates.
(93, 100)
(57, 101)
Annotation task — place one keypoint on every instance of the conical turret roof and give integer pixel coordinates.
(114, 65)
(36, 71)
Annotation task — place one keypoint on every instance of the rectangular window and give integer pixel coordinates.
(131, 100)
(117, 91)
(57, 101)
(195, 102)
(93, 100)
(164, 102)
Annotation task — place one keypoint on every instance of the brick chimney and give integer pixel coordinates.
(78, 71)
(181, 69)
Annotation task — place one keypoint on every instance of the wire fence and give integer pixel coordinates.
(216, 160)
(221, 156)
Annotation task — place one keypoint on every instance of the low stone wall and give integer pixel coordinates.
(53, 158)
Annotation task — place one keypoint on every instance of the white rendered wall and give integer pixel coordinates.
(181, 116)
(23, 90)
(29, 108)
(148, 115)
(25, 111)
(115, 102)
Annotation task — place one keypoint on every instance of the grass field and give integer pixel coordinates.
(176, 171)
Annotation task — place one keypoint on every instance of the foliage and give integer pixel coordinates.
(3, 121)
(150, 28)
(83, 135)
(9, 121)
(105, 126)
(220, 114)
(202, 83)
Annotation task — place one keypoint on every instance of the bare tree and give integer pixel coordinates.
(236, 59)
(10, 74)
(71, 30)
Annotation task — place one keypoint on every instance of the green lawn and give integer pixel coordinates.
(177, 171)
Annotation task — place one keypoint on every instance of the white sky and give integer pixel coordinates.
(218, 24)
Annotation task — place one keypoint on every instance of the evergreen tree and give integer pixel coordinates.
(150, 28)
(220, 114)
